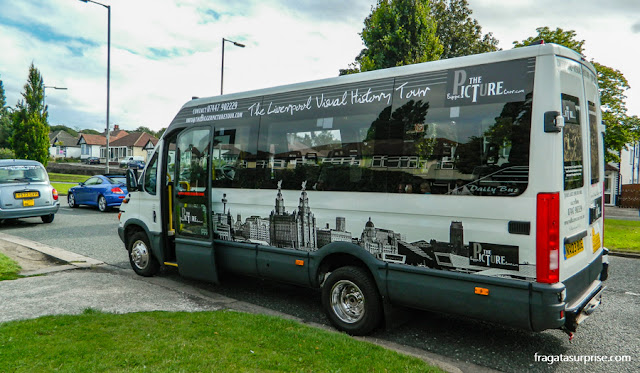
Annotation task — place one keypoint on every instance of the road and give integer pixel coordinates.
(613, 330)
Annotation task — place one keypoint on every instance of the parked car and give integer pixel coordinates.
(92, 160)
(25, 191)
(124, 161)
(102, 191)
(136, 165)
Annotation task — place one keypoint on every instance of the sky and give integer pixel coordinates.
(163, 52)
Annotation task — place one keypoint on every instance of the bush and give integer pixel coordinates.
(6, 153)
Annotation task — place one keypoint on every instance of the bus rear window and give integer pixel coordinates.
(573, 164)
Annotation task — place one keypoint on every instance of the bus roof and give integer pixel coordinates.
(476, 59)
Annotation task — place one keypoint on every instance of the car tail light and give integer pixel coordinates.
(54, 194)
(117, 190)
(548, 238)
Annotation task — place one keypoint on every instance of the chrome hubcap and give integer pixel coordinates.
(140, 255)
(72, 200)
(347, 301)
(103, 203)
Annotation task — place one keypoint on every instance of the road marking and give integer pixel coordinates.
(630, 293)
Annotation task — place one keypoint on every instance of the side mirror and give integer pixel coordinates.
(132, 180)
(81, 183)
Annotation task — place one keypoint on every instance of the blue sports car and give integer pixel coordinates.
(103, 191)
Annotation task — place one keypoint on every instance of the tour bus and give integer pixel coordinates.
(471, 186)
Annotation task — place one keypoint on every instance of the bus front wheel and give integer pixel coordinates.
(351, 301)
(142, 260)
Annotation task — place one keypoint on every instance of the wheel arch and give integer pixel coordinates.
(136, 225)
(341, 254)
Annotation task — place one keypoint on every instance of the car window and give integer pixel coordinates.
(93, 181)
(118, 179)
(22, 173)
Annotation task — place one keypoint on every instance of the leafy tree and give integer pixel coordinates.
(145, 129)
(90, 132)
(621, 129)
(557, 36)
(62, 127)
(31, 130)
(396, 33)
(161, 132)
(5, 120)
(459, 34)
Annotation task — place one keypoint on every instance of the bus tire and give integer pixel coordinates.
(351, 301)
(140, 257)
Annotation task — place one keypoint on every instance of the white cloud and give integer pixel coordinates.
(163, 52)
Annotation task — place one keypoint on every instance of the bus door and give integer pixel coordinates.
(574, 207)
(191, 205)
(595, 176)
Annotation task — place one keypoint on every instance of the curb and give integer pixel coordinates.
(625, 254)
(56, 254)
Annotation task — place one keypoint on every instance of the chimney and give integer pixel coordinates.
(116, 127)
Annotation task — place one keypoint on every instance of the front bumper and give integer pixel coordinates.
(29, 212)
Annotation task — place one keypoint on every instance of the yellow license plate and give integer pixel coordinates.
(596, 241)
(573, 249)
(28, 202)
(27, 195)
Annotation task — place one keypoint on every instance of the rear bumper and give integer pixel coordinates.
(114, 199)
(29, 212)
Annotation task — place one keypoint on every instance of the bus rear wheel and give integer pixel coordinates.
(142, 260)
(351, 301)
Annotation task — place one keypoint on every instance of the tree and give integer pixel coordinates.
(396, 33)
(145, 129)
(31, 130)
(62, 127)
(557, 36)
(621, 129)
(5, 120)
(459, 34)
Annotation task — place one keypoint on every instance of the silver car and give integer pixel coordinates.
(25, 191)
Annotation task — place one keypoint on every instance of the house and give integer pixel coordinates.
(134, 144)
(96, 145)
(625, 172)
(90, 145)
(63, 145)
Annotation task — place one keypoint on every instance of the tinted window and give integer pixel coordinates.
(593, 142)
(192, 182)
(573, 165)
(327, 138)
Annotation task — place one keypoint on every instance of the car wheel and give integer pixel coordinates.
(142, 260)
(102, 204)
(47, 218)
(71, 199)
(351, 301)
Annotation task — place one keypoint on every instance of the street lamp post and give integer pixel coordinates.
(44, 94)
(108, 68)
(222, 70)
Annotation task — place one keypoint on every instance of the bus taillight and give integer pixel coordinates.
(548, 238)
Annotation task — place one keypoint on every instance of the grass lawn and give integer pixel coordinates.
(63, 189)
(622, 235)
(67, 178)
(220, 341)
(9, 269)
